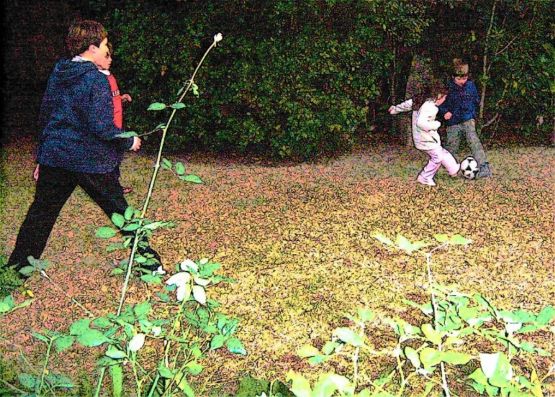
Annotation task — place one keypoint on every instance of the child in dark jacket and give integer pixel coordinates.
(459, 111)
(79, 144)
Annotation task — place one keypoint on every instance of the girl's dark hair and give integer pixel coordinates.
(430, 90)
(83, 34)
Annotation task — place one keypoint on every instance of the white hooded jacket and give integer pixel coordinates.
(425, 134)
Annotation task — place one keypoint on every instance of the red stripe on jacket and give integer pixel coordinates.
(116, 98)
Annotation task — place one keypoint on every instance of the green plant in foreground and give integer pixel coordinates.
(163, 342)
(456, 323)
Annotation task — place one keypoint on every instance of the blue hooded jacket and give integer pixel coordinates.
(77, 120)
(462, 102)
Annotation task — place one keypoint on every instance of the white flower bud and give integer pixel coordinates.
(218, 37)
(136, 342)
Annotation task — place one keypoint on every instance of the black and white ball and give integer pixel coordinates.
(469, 167)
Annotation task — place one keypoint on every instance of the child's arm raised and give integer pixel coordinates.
(402, 107)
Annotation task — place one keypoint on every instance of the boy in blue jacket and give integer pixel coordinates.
(79, 144)
(459, 111)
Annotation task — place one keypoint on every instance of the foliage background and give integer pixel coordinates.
(294, 79)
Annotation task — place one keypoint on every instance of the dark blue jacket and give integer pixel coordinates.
(462, 102)
(77, 119)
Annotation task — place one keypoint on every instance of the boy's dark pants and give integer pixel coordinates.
(54, 187)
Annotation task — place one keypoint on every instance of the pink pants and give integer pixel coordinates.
(439, 157)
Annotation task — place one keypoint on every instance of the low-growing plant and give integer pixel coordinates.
(456, 327)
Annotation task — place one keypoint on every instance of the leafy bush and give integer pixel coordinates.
(284, 86)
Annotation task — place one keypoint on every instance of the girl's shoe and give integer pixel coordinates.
(424, 181)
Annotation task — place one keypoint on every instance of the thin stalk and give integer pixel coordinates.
(148, 197)
(434, 305)
(155, 175)
(89, 313)
(45, 366)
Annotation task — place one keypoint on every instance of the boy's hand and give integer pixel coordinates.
(391, 109)
(126, 98)
(448, 115)
(36, 173)
(136, 144)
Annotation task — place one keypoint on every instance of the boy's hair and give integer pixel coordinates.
(83, 34)
(460, 67)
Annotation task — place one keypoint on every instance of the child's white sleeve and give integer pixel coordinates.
(426, 117)
(402, 107)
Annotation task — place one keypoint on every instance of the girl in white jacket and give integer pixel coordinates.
(426, 138)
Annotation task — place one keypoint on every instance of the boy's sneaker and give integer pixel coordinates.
(424, 181)
(484, 172)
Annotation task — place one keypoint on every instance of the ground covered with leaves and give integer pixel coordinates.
(297, 238)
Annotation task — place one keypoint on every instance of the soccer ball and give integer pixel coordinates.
(469, 167)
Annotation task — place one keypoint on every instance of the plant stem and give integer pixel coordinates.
(434, 305)
(147, 200)
(39, 391)
(43, 274)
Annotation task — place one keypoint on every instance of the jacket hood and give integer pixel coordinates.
(67, 71)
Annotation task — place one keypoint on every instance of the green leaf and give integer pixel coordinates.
(102, 322)
(191, 178)
(165, 372)
(27, 270)
(116, 372)
(441, 238)
(7, 304)
(59, 381)
(430, 357)
(431, 334)
(128, 214)
(131, 227)
(328, 384)
(329, 347)
(307, 351)
(235, 346)
(127, 134)
(412, 355)
(546, 315)
(179, 168)
(142, 309)
(348, 336)
(194, 368)
(41, 337)
(28, 381)
(115, 353)
(105, 232)
(366, 314)
(300, 385)
(166, 164)
(404, 244)
(217, 342)
(80, 326)
(177, 105)
(455, 358)
(383, 239)
(92, 338)
(183, 385)
(157, 106)
(457, 239)
(118, 220)
(318, 359)
(63, 343)
(151, 279)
